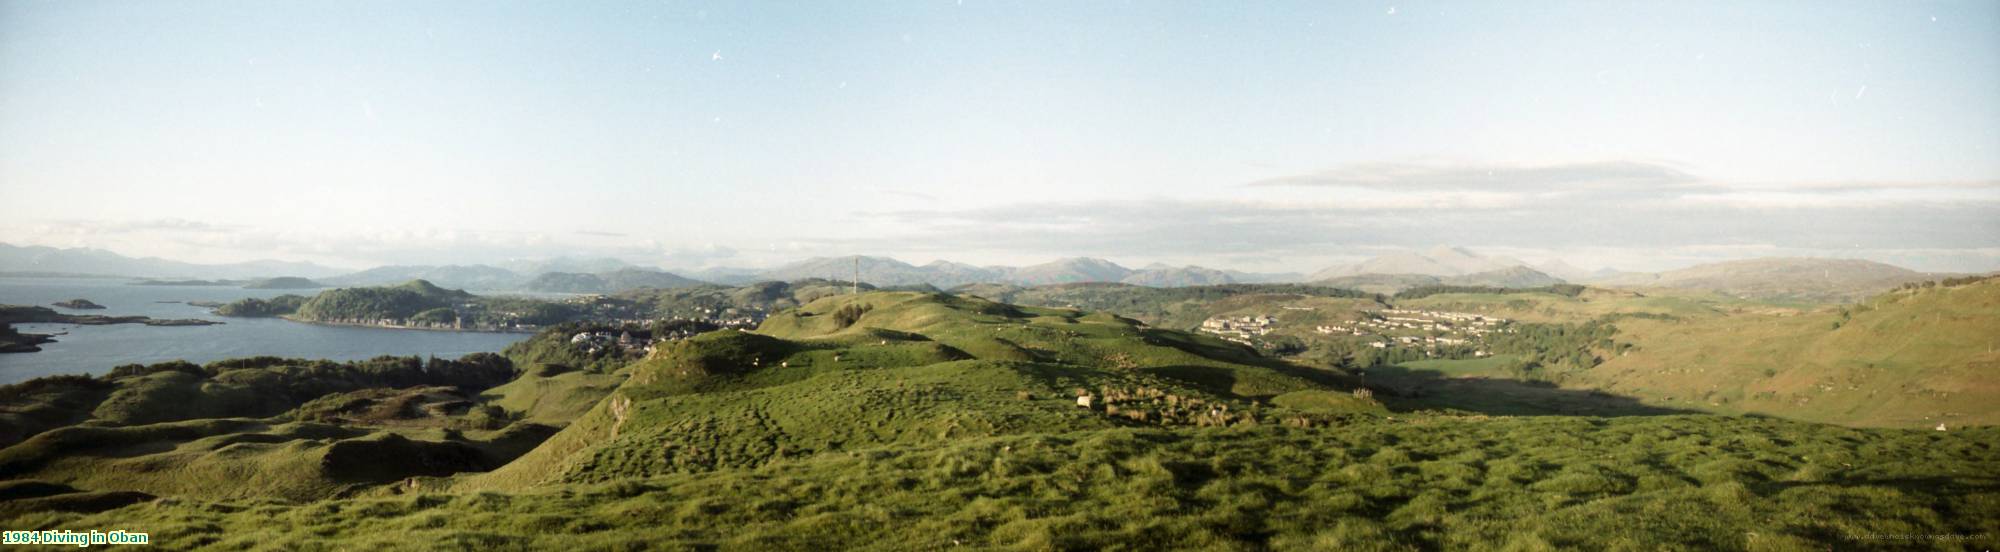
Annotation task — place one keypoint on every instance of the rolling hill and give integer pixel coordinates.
(1905, 358)
(607, 282)
(886, 368)
(1787, 279)
(380, 303)
(1159, 275)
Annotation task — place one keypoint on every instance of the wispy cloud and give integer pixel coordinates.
(1445, 175)
(920, 196)
(1618, 210)
(1630, 214)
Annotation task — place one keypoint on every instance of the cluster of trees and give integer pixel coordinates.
(1561, 346)
(1948, 282)
(848, 315)
(501, 310)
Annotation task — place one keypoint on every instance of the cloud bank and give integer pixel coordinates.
(1637, 215)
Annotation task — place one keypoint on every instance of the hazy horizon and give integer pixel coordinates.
(1287, 138)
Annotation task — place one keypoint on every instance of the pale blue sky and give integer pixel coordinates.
(681, 134)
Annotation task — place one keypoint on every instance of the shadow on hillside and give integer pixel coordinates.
(1404, 389)
(1248, 357)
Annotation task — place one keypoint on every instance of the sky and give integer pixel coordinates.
(1264, 136)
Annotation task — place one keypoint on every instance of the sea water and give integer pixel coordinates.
(96, 349)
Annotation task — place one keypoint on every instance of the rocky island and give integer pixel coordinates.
(78, 304)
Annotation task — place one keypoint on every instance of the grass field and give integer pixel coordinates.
(1415, 483)
(1911, 358)
(917, 421)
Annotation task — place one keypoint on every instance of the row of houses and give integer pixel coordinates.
(1436, 321)
(1240, 328)
(592, 342)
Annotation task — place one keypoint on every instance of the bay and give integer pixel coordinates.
(96, 349)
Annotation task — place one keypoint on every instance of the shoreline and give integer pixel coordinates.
(400, 327)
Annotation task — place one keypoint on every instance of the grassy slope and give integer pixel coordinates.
(916, 367)
(1417, 483)
(1907, 358)
(252, 427)
(553, 399)
(995, 331)
(242, 458)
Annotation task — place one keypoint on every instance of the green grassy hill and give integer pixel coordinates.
(1412, 483)
(1809, 280)
(379, 303)
(1908, 358)
(886, 368)
(292, 428)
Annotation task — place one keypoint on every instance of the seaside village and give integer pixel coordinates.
(1383, 329)
(662, 330)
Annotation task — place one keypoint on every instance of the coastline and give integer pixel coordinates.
(378, 325)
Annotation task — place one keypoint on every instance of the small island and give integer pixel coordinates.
(19, 314)
(78, 304)
(415, 305)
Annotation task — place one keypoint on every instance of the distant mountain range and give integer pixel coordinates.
(1442, 265)
(1437, 261)
(1799, 279)
(883, 271)
(607, 282)
(1813, 280)
(25, 259)
(1510, 277)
